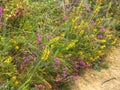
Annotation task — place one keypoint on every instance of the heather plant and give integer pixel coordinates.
(45, 45)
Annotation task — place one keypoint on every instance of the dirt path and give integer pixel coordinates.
(107, 79)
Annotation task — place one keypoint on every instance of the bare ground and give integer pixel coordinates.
(106, 79)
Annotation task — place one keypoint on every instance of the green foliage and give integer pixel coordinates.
(45, 44)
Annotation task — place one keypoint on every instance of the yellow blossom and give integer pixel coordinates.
(80, 53)
(103, 41)
(14, 78)
(16, 83)
(54, 39)
(81, 32)
(13, 41)
(8, 60)
(72, 44)
(99, 52)
(103, 46)
(45, 54)
(17, 47)
(115, 40)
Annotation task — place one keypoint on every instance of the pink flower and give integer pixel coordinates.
(57, 60)
(82, 63)
(25, 52)
(39, 39)
(100, 36)
(65, 17)
(48, 37)
(1, 12)
(103, 30)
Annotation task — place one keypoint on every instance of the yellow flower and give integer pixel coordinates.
(97, 57)
(115, 40)
(72, 44)
(1, 38)
(95, 30)
(103, 46)
(8, 60)
(13, 41)
(103, 41)
(91, 58)
(97, 9)
(45, 54)
(17, 47)
(14, 78)
(81, 32)
(99, 52)
(16, 83)
(54, 39)
(62, 35)
(80, 53)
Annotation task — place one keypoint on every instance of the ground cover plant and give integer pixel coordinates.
(46, 44)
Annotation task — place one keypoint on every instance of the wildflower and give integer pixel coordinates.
(80, 53)
(13, 41)
(48, 37)
(40, 86)
(16, 83)
(0, 12)
(45, 54)
(97, 9)
(1, 38)
(81, 32)
(100, 36)
(115, 40)
(54, 39)
(82, 63)
(103, 46)
(57, 60)
(99, 52)
(76, 65)
(25, 61)
(14, 78)
(103, 41)
(8, 60)
(17, 47)
(103, 30)
(65, 17)
(72, 44)
(39, 39)
(62, 35)
(25, 52)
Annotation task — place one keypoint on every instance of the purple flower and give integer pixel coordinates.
(65, 17)
(25, 52)
(25, 61)
(1, 12)
(64, 73)
(40, 86)
(57, 60)
(48, 37)
(76, 65)
(82, 63)
(39, 39)
(100, 36)
(103, 30)
(65, 69)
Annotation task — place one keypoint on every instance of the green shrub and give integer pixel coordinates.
(47, 44)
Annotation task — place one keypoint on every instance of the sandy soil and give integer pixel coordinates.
(107, 79)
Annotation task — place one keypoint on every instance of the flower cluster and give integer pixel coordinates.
(45, 44)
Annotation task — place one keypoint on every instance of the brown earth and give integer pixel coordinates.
(106, 79)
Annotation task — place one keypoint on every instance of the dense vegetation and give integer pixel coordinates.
(47, 44)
